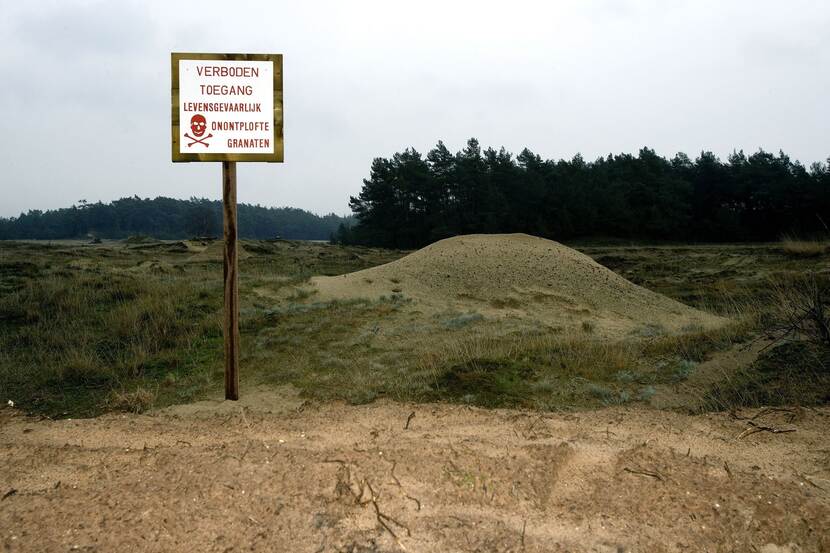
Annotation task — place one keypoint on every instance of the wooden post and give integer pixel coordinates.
(231, 326)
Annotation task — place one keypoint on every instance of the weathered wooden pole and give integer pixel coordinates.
(193, 99)
(231, 326)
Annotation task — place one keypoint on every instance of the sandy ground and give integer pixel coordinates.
(275, 473)
(517, 276)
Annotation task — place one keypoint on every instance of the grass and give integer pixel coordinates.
(792, 247)
(793, 373)
(86, 329)
(552, 371)
(71, 340)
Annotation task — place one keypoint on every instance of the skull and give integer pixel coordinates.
(198, 124)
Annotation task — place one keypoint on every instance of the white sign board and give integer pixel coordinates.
(227, 109)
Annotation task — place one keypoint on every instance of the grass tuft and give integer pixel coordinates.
(133, 401)
(793, 247)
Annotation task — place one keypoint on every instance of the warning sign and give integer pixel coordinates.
(227, 107)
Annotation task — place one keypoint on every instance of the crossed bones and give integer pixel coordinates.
(197, 140)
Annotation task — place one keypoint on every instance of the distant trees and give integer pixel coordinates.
(167, 218)
(410, 200)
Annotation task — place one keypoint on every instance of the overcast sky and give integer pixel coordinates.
(85, 87)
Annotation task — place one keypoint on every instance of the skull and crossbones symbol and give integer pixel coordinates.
(198, 124)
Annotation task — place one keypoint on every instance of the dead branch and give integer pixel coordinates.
(767, 410)
(244, 418)
(381, 517)
(754, 428)
(345, 481)
(531, 425)
(408, 420)
(415, 499)
(805, 478)
(764, 412)
(244, 453)
(392, 472)
(734, 414)
(649, 473)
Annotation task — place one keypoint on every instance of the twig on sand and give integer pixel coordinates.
(754, 427)
(806, 479)
(532, 425)
(392, 472)
(524, 527)
(409, 420)
(245, 453)
(767, 410)
(244, 418)
(363, 485)
(398, 483)
(382, 517)
(793, 413)
(415, 499)
(649, 473)
(340, 461)
(9, 493)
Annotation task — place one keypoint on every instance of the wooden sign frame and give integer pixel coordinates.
(276, 157)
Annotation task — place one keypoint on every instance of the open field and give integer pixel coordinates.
(136, 325)
(398, 420)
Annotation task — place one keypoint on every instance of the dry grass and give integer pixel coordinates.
(87, 329)
(697, 344)
(134, 401)
(793, 373)
(800, 308)
(793, 247)
(555, 371)
(84, 330)
(75, 338)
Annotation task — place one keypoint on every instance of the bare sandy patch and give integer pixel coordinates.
(393, 477)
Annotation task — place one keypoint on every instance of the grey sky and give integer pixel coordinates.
(85, 93)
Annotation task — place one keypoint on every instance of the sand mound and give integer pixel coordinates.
(519, 276)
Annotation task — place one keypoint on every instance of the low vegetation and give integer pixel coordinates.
(78, 341)
(90, 328)
(803, 248)
(84, 329)
(792, 373)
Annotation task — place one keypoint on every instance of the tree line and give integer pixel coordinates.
(410, 200)
(167, 218)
